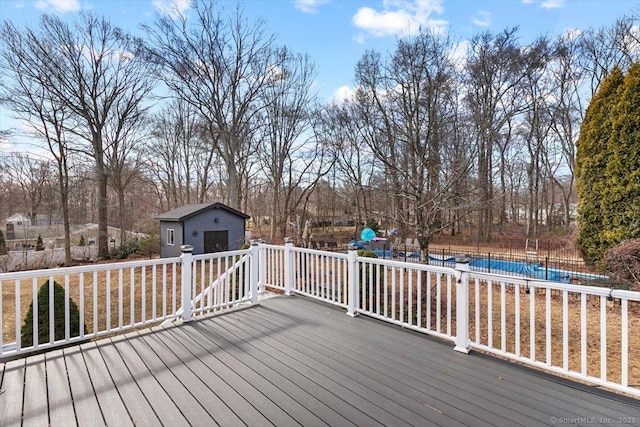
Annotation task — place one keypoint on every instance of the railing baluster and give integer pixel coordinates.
(548, 325)
(143, 290)
(410, 296)
(532, 323)
(52, 329)
(36, 312)
(132, 295)
(624, 345)
(401, 273)
(108, 299)
(516, 323)
(490, 313)
(80, 302)
(120, 297)
(478, 307)
(603, 338)
(95, 301)
(583, 334)
(438, 302)
(419, 299)
(565, 330)
(18, 318)
(449, 304)
(429, 301)
(67, 326)
(154, 287)
(503, 317)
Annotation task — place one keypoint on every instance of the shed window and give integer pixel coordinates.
(170, 237)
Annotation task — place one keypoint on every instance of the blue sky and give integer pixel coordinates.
(335, 33)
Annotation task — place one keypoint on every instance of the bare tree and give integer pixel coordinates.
(285, 117)
(31, 176)
(23, 93)
(566, 75)
(220, 64)
(406, 104)
(608, 46)
(496, 68)
(95, 71)
(355, 162)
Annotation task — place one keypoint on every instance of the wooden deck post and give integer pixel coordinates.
(253, 279)
(187, 262)
(463, 344)
(288, 265)
(352, 280)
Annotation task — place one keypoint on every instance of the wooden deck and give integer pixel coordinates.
(290, 361)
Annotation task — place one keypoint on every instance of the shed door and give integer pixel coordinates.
(216, 241)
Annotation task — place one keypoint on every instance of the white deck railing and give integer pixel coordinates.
(578, 331)
(116, 297)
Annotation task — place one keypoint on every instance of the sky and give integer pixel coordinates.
(336, 33)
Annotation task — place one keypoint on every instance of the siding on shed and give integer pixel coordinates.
(190, 222)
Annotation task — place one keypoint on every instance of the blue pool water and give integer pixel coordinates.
(520, 268)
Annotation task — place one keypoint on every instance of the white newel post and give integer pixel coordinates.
(288, 265)
(262, 266)
(253, 279)
(187, 265)
(463, 344)
(352, 280)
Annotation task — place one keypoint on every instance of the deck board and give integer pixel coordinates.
(165, 408)
(85, 402)
(408, 370)
(181, 396)
(35, 410)
(248, 390)
(111, 405)
(288, 361)
(284, 394)
(131, 395)
(321, 401)
(60, 400)
(179, 365)
(12, 392)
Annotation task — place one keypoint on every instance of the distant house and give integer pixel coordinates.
(18, 219)
(208, 227)
(47, 219)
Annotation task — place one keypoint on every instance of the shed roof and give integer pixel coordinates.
(187, 211)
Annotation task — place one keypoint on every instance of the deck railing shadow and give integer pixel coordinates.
(581, 332)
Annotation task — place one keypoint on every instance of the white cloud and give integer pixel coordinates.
(482, 18)
(172, 8)
(547, 4)
(359, 38)
(60, 6)
(552, 4)
(459, 54)
(400, 17)
(342, 94)
(309, 6)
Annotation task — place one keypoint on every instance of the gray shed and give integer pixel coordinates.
(208, 227)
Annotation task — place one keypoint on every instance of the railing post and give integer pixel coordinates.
(187, 266)
(352, 280)
(288, 265)
(253, 279)
(262, 266)
(463, 344)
